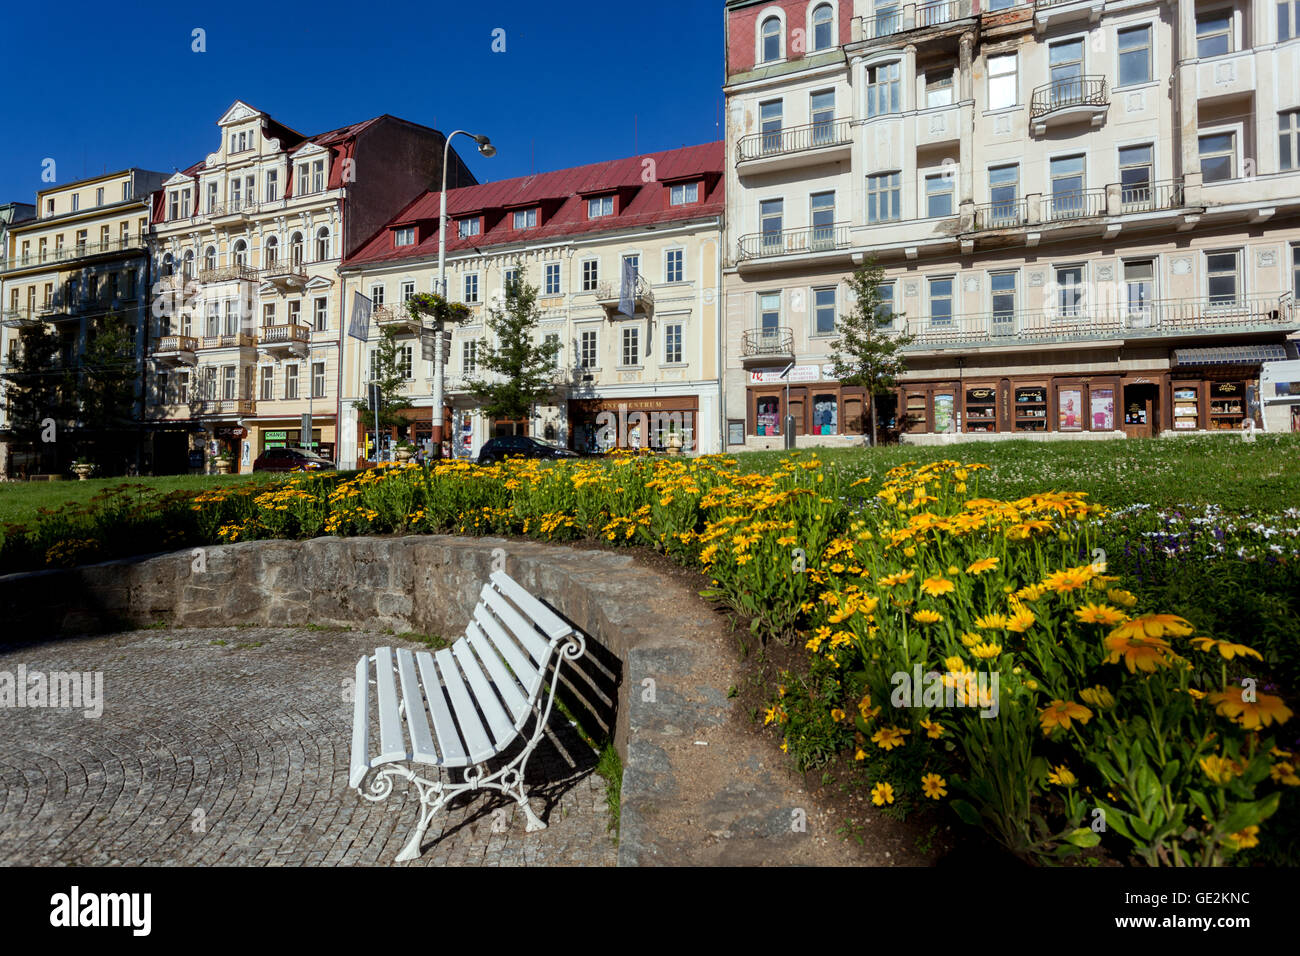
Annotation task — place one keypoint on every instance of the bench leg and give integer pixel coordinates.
(433, 797)
(412, 849)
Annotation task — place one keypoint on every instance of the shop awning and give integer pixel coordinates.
(1231, 355)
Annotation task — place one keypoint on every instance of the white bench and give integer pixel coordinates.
(463, 705)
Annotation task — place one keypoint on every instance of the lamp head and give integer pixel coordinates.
(485, 146)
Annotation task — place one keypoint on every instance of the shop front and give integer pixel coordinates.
(605, 424)
(288, 433)
(416, 427)
(821, 407)
(1011, 404)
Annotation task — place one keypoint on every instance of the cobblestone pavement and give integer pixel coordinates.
(237, 753)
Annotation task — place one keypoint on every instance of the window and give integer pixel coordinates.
(1069, 292)
(590, 274)
(318, 176)
(940, 300)
(821, 110)
(322, 244)
(271, 251)
(239, 255)
(884, 89)
(236, 192)
(1214, 33)
(1288, 19)
(938, 195)
(232, 317)
(99, 196)
(1002, 297)
(1065, 62)
(408, 290)
(1223, 277)
(304, 179)
(673, 261)
(825, 414)
(321, 311)
(551, 278)
(272, 185)
(510, 277)
(1288, 139)
(469, 227)
(770, 41)
(938, 87)
(885, 307)
(291, 381)
(209, 384)
(1135, 55)
(631, 346)
(212, 322)
(821, 208)
(599, 206)
(183, 388)
(684, 194)
(1218, 153)
(1067, 187)
(1003, 82)
(552, 340)
(673, 343)
(824, 311)
(587, 350)
(469, 286)
(294, 307)
(406, 361)
(295, 249)
(228, 383)
(76, 201)
(49, 207)
(1295, 270)
(884, 197)
(266, 390)
(769, 116)
(404, 236)
(469, 357)
(822, 24)
(174, 205)
(318, 379)
(212, 197)
(268, 313)
(1135, 168)
(377, 294)
(770, 217)
(525, 218)
(769, 316)
(1139, 291)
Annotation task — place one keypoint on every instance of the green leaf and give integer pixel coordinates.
(1083, 837)
(969, 815)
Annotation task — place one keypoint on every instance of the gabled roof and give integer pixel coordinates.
(639, 180)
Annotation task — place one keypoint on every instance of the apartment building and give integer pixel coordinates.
(247, 244)
(1088, 211)
(628, 370)
(82, 256)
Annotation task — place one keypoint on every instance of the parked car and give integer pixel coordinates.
(291, 459)
(520, 446)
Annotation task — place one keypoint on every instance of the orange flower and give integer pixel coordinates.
(1251, 714)
(1060, 713)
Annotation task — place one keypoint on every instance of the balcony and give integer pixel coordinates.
(285, 276)
(1050, 13)
(911, 16)
(1153, 318)
(20, 318)
(223, 406)
(1007, 214)
(777, 342)
(822, 142)
(1226, 76)
(233, 213)
(79, 250)
(809, 240)
(1069, 101)
(283, 341)
(176, 350)
(1074, 204)
(235, 273)
(230, 340)
(396, 317)
(1111, 202)
(1151, 197)
(609, 294)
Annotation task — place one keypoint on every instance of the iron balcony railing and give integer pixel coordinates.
(1067, 93)
(223, 406)
(1052, 3)
(769, 341)
(1074, 204)
(1151, 197)
(76, 250)
(793, 241)
(1004, 214)
(911, 16)
(1087, 321)
(794, 139)
(233, 207)
(613, 291)
(228, 273)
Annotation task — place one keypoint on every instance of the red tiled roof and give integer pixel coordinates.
(564, 211)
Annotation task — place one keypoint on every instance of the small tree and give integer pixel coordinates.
(867, 352)
(39, 387)
(524, 371)
(107, 389)
(390, 375)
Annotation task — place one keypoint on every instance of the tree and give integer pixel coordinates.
(108, 372)
(867, 352)
(520, 372)
(39, 389)
(389, 372)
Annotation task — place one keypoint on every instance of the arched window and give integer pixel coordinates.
(295, 248)
(210, 259)
(187, 265)
(822, 23)
(241, 253)
(771, 47)
(168, 266)
(271, 252)
(322, 244)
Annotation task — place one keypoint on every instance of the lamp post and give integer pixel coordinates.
(487, 149)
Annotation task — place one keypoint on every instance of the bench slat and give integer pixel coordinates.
(528, 673)
(498, 722)
(519, 626)
(505, 682)
(360, 723)
(392, 746)
(551, 623)
(449, 743)
(417, 724)
(471, 728)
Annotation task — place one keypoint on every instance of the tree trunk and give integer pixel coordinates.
(871, 420)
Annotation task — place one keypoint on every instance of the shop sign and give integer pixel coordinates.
(772, 376)
(230, 431)
(274, 435)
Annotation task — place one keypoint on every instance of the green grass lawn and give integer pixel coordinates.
(1213, 469)
(19, 500)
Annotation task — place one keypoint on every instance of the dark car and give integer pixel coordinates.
(520, 446)
(291, 459)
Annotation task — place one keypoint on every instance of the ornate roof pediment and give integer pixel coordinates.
(238, 112)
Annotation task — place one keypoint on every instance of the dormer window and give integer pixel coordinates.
(684, 194)
(465, 228)
(311, 177)
(405, 236)
(771, 40)
(599, 206)
(525, 218)
(822, 21)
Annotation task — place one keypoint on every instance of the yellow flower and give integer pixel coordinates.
(860, 754)
(1139, 652)
(836, 714)
(900, 578)
(1100, 614)
(1098, 696)
(1071, 579)
(935, 587)
(986, 651)
(1061, 713)
(992, 622)
(1226, 649)
(881, 794)
(933, 729)
(887, 738)
(971, 639)
(932, 785)
(1121, 597)
(865, 708)
(1244, 839)
(1284, 772)
(1155, 625)
(775, 714)
(1062, 777)
(926, 617)
(1264, 710)
(1220, 770)
(1022, 620)
(982, 565)
(955, 663)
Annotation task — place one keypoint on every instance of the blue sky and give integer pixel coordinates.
(117, 85)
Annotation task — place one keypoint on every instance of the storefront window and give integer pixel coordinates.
(767, 416)
(1186, 412)
(1103, 409)
(981, 409)
(1071, 409)
(825, 415)
(1227, 404)
(1031, 408)
(944, 418)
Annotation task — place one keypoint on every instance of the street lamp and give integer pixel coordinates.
(487, 149)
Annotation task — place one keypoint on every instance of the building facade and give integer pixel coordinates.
(622, 378)
(247, 244)
(83, 256)
(1087, 213)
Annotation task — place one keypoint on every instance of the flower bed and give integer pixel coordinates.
(958, 647)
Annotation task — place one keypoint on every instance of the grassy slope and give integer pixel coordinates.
(20, 500)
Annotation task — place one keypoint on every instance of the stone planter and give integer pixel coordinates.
(83, 471)
(405, 454)
(224, 466)
(674, 444)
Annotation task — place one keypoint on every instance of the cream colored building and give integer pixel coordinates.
(247, 245)
(1088, 212)
(621, 379)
